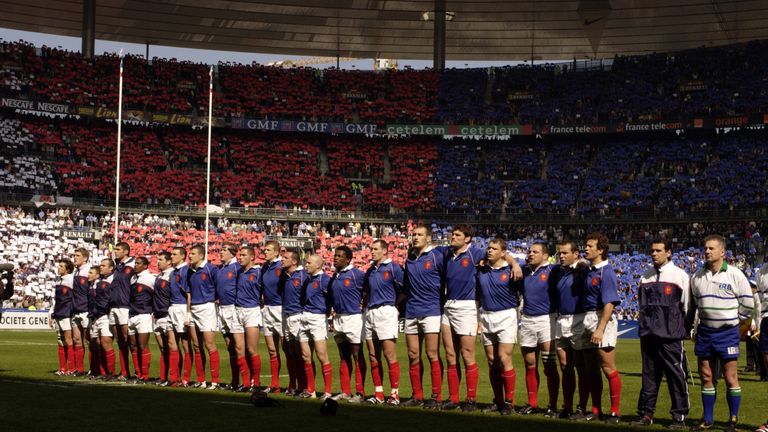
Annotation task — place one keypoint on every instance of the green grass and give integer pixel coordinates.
(31, 398)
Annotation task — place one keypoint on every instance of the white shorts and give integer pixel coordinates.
(313, 327)
(564, 331)
(292, 327)
(248, 317)
(535, 330)
(100, 327)
(461, 316)
(381, 323)
(499, 326)
(204, 317)
(81, 320)
(163, 325)
(62, 324)
(348, 327)
(140, 324)
(228, 321)
(273, 320)
(178, 315)
(118, 316)
(430, 324)
(585, 324)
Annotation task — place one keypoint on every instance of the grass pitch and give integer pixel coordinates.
(32, 398)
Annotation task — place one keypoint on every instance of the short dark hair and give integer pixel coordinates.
(68, 264)
(425, 227)
(381, 242)
(199, 248)
(143, 261)
(571, 244)
(662, 240)
(181, 250)
(165, 255)
(274, 244)
(96, 268)
(110, 262)
(464, 229)
(715, 237)
(346, 250)
(249, 250)
(602, 242)
(124, 245)
(499, 241)
(294, 254)
(231, 247)
(543, 244)
(84, 252)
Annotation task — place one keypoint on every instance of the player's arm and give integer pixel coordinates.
(691, 315)
(517, 271)
(746, 298)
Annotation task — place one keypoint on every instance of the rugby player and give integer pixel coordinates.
(248, 313)
(316, 305)
(289, 288)
(164, 335)
(80, 324)
(61, 316)
(272, 311)
(124, 276)
(202, 289)
(140, 318)
(226, 287)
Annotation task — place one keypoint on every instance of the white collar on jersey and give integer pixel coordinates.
(317, 273)
(183, 264)
(425, 250)
(232, 261)
(347, 268)
(386, 261)
(601, 265)
(504, 263)
(145, 273)
(461, 251)
(665, 266)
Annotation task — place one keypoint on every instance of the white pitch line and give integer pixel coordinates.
(34, 383)
(230, 403)
(21, 343)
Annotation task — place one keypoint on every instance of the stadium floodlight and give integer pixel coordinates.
(430, 16)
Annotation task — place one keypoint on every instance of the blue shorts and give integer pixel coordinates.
(717, 342)
(764, 335)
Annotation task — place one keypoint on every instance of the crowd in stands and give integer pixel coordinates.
(725, 80)
(33, 242)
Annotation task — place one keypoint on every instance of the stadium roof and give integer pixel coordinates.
(480, 30)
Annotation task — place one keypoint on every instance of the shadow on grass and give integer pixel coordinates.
(148, 407)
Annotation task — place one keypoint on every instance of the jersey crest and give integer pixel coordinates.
(347, 282)
(465, 262)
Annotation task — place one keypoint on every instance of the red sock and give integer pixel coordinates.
(497, 384)
(163, 365)
(109, 357)
(553, 384)
(173, 369)
(255, 370)
(62, 359)
(394, 375)
(245, 371)
(415, 373)
(378, 388)
(199, 366)
(69, 351)
(453, 383)
(569, 388)
(473, 376)
(214, 366)
(328, 377)
(274, 369)
(146, 361)
(79, 357)
(614, 387)
(234, 367)
(509, 385)
(360, 375)
(309, 372)
(187, 366)
(532, 385)
(596, 391)
(136, 364)
(124, 358)
(344, 378)
(436, 369)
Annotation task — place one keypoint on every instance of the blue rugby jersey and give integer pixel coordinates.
(248, 294)
(601, 286)
(62, 300)
(270, 277)
(315, 297)
(99, 304)
(289, 287)
(180, 284)
(80, 288)
(461, 272)
(496, 288)
(226, 282)
(569, 283)
(423, 284)
(538, 294)
(161, 294)
(382, 284)
(202, 283)
(141, 294)
(346, 289)
(123, 278)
